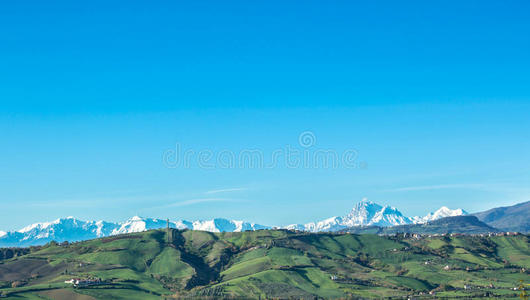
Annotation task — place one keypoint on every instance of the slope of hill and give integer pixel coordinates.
(510, 218)
(268, 263)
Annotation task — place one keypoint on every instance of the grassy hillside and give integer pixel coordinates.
(268, 263)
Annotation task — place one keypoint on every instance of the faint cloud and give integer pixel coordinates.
(165, 200)
(226, 190)
(201, 200)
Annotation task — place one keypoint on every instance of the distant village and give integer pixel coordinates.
(422, 235)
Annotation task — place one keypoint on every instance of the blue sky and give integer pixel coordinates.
(434, 98)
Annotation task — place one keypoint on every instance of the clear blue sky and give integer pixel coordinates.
(434, 96)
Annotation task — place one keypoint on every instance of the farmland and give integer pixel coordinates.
(269, 263)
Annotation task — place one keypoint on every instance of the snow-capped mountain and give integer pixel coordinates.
(364, 213)
(137, 224)
(66, 229)
(443, 212)
(368, 213)
(71, 229)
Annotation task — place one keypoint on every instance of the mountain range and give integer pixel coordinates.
(366, 216)
(71, 229)
(368, 213)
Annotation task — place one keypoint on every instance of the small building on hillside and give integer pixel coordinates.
(79, 282)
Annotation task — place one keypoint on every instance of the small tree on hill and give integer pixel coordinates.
(523, 294)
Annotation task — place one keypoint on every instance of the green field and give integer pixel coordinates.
(270, 264)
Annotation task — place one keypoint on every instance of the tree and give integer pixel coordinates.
(523, 295)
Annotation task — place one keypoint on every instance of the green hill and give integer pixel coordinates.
(267, 264)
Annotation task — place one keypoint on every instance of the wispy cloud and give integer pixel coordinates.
(438, 187)
(163, 199)
(226, 190)
(201, 200)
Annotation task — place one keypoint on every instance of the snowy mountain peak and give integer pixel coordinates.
(390, 209)
(370, 213)
(389, 216)
(365, 201)
(39, 226)
(71, 229)
(367, 213)
(363, 213)
(365, 204)
(442, 212)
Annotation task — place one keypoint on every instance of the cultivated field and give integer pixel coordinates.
(269, 263)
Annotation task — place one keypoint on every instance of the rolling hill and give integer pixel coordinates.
(159, 264)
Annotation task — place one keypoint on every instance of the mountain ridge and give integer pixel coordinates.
(364, 214)
(508, 218)
(72, 229)
(368, 213)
